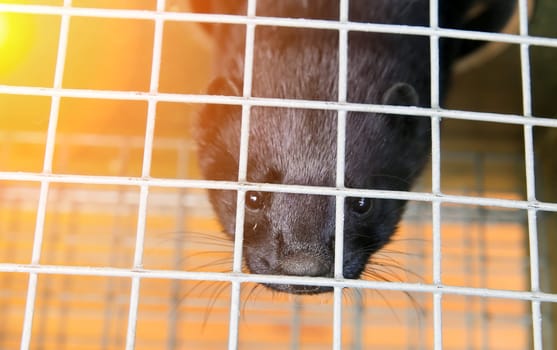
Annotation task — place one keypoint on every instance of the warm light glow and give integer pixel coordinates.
(16, 39)
(3, 29)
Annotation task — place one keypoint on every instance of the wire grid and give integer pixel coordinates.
(146, 182)
(69, 206)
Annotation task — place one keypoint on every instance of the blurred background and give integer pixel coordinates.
(94, 225)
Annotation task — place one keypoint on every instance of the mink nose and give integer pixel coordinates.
(302, 265)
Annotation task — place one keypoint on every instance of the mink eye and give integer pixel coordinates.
(360, 205)
(255, 200)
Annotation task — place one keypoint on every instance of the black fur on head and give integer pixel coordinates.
(293, 234)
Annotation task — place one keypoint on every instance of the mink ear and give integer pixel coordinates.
(224, 86)
(212, 117)
(228, 7)
(401, 94)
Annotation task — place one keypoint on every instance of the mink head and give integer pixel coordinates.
(294, 234)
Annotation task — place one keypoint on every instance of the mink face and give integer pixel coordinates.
(293, 234)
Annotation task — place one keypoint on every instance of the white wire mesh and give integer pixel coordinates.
(437, 289)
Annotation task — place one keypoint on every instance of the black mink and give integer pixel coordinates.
(293, 234)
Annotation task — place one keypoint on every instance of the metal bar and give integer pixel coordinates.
(298, 280)
(47, 168)
(276, 21)
(277, 102)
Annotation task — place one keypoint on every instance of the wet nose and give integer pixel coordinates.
(304, 265)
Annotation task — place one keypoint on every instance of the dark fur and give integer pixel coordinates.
(294, 234)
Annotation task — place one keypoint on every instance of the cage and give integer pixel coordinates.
(107, 240)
